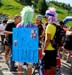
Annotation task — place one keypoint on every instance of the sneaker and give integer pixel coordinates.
(13, 69)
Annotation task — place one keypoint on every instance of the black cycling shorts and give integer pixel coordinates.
(49, 59)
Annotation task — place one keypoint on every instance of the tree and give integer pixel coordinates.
(0, 1)
(27, 2)
(36, 1)
(42, 6)
(68, 8)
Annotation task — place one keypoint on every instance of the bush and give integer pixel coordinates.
(42, 6)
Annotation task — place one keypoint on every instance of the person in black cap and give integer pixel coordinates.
(39, 24)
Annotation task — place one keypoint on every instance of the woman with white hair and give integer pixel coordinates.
(49, 59)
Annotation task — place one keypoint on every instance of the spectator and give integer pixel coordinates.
(62, 37)
(7, 48)
(68, 43)
(9, 27)
(2, 27)
(40, 29)
(49, 59)
(39, 24)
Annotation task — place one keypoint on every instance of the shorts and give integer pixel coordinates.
(2, 37)
(49, 60)
(68, 45)
(6, 43)
(21, 64)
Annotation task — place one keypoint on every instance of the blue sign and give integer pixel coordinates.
(25, 45)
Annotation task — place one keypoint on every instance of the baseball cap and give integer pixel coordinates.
(39, 17)
(50, 12)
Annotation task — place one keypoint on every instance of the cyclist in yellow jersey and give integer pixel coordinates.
(50, 29)
(49, 59)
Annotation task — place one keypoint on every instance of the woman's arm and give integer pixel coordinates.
(47, 41)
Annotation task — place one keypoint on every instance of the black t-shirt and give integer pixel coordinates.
(10, 27)
(40, 30)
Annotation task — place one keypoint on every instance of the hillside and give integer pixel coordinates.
(11, 8)
(62, 12)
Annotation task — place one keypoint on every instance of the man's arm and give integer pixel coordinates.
(6, 32)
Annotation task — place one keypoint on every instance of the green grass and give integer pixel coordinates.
(12, 8)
